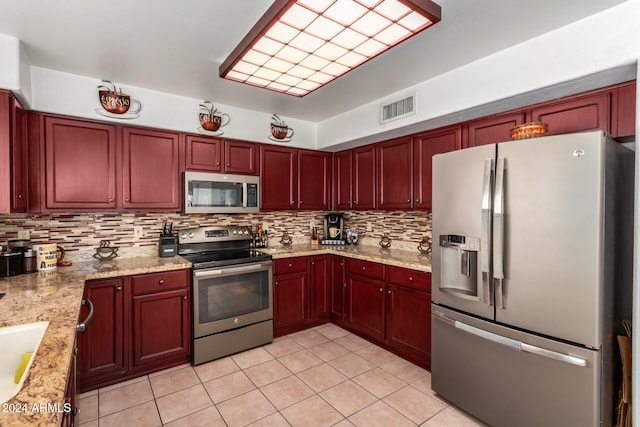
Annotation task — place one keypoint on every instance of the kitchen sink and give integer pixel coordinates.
(14, 342)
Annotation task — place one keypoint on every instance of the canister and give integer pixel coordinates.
(10, 264)
(29, 261)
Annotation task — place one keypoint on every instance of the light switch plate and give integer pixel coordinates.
(137, 231)
(24, 235)
(369, 227)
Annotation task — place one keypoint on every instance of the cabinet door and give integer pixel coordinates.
(240, 157)
(364, 181)
(314, 172)
(409, 323)
(151, 177)
(425, 146)
(289, 303)
(338, 289)
(161, 327)
(279, 177)
(625, 112)
(101, 346)
(80, 164)
(19, 167)
(319, 300)
(342, 180)
(576, 115)
(366, 306)
(395, 173)
(203, 154)
(492, 129)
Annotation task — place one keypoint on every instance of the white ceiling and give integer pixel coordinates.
(177, 46)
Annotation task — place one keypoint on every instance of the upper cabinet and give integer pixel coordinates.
(576, 114)
(395, 173)
(90, 165)
(425, 145)
(624, 110)
(363, 178)
(314, 179)
(342, 179)
(151, 169)
(222, 156)
(279, 177)
(492, 129)
(13, 155)
(79, 164)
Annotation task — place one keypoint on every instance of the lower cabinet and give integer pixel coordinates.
(300, 293)
(338, 283)
(140, 324)
(365, 298)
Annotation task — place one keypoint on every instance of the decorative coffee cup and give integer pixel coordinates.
(118, 102)
(213, 122)
(281, 131)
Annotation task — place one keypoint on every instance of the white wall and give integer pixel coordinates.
(606, 40)
(9, 71)
(74, 95)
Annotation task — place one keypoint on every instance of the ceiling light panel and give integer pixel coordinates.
(300, 45)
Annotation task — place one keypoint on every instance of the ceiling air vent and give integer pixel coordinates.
(398, 109)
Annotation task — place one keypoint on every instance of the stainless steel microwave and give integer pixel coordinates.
(221, 193)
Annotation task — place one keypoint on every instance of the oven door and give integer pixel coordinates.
(231, 297)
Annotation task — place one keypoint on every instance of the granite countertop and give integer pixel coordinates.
(397, 257)
(55, 297)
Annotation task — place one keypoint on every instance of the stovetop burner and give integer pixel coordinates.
(218, 246)
(223, 258)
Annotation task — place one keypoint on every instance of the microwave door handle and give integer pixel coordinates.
(485, 242)
(245, 190)
(498, 235)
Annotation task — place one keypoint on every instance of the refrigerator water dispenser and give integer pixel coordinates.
(459, 265)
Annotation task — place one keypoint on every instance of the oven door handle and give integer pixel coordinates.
(231, 270)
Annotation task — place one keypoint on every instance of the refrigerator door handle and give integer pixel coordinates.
(498, 234)
(485, 258)
(508, 342)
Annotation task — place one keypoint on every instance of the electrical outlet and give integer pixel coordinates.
(369, 227)
(312, 224)
(137, 231)
(265, 225)
(24, 234)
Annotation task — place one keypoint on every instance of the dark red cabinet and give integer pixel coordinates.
(319, 301)
(395, 173)
(241, 157)
(425, 145)
(366, 298)
(338, 289)
(363, 178)
(151, 166)
(80, 164)
(290, 295)
(576, 114)
(19, 158)
(492, 129)
(624, 111)
(203, 154)
(141, 324)
(342, 179)
(408, 316)
(101, 348)
(314, 179)
(279, 177)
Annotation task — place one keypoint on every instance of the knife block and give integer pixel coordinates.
(167, 246)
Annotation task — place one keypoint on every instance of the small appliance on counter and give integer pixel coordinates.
(10, 264)
(167, 243)
(333, 229)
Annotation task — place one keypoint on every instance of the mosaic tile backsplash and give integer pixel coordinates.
(80, 233)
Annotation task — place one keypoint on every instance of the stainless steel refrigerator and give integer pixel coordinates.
(532, 273)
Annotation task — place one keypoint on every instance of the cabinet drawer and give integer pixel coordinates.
(158, 282)
(420, 280)
(290, 265)
(366, 268)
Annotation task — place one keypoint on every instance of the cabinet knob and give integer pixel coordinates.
(355, 203)
(228, 164)
(380, 289)
(218, 164)
(126, 199)
(389, 292)
(292, 202)
(411, 278)
(111, 199)
(184, 297)
(20, 196)
(276, 283)
(408, 200)
(313, 263)
(417, 200)
(363, 268)
(161, 281)
(118, 288)
(289, 265)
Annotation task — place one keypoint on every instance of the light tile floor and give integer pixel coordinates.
(323, 376)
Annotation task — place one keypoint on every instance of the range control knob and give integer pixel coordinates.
(246, 231)
(183, 236)
(235, 231)
(191, 235)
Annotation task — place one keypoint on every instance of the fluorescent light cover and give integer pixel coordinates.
(299, 45)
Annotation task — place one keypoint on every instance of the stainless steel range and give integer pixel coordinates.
(232, 291)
